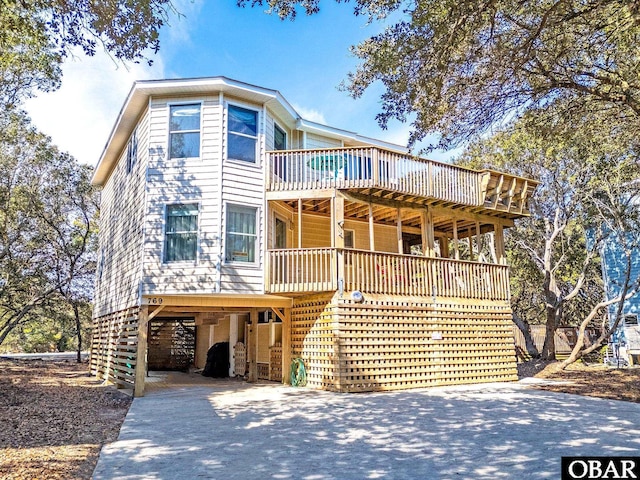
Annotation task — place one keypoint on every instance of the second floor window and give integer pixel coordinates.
(181, 233)
(279, 138)
(243, 134)
(241, 234)
(132, 151)
(184, 131)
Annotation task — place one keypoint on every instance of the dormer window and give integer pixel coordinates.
(184, 131)
(242, 137)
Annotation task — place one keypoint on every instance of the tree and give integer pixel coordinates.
(46, 223)
(37, 35)
(460, 68)
(616, 200)
(558, 244)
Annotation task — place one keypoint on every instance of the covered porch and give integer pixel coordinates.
(385, 246)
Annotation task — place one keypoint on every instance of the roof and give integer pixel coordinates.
(141, 92)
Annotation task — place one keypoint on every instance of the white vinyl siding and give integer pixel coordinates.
(183, 181)
(122, 229)
(243, 184)
(317, 141)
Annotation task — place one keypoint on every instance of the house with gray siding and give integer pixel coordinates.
(229, 220)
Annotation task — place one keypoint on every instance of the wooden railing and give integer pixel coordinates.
(370, 167)
(316, 269)
(302, 270)
(377, 272)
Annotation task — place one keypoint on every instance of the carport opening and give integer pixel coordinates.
(171, 344)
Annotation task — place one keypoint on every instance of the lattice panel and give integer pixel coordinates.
(240, 359)
(171, 344)
(263, 371)
(113, 347)
(391, 343)
(275, 353)
(313, 340)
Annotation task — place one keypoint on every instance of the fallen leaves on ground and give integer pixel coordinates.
(591, 380)
(55, 417)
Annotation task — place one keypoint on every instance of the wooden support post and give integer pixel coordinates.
(478, 240)
(375, 167)
(372, 233)
(499, 239)
(338, 236)
(233, 339)
(428, 239)
(286, 347)
(141, 352)
(252, 346)
(470, 237)
(299, 223)
(456, 249)
(399, 232)
(444, 247)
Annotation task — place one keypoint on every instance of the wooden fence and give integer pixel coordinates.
(113, 347)
(565, 339)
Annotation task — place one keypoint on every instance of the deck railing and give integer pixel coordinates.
(302, 270)
(316, 269)
(370, 167)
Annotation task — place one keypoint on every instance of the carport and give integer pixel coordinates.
(165, 318)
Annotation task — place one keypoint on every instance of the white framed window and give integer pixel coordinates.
(241, 238)
(349, 239)
(181, 232)
(132, 151)
(279, 138)
(184, 130)
(242, 134)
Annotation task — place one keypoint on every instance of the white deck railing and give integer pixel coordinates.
(371, 167)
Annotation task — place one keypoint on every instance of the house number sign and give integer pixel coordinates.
(155, 301)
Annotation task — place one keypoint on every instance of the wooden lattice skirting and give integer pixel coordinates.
(400, 342)
(113, 347)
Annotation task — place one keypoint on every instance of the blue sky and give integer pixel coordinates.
(306, 60)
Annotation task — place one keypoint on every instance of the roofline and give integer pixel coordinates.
(142, 90)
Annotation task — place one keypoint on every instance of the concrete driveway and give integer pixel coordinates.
(232, 430)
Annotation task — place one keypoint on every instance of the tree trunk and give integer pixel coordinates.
(528, 339)
(549, 347)
(76, 313)
(553, 309)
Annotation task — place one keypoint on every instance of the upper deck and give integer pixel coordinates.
(378, 173)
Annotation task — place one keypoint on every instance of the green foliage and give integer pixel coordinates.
(588, 169)
(47, 227)
(36, 35)
(460, 68)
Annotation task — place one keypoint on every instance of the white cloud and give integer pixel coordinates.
(310, 114)
(79, 116)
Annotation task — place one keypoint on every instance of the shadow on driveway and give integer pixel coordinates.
(232, 430)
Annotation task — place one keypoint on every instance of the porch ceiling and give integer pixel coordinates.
(387, 215)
